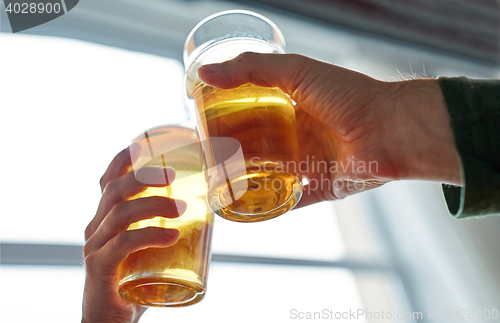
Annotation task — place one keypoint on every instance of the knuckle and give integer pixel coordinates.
(113, 191)
(102, 182)
(117, 211)
(296, 58)
(245, 57)
(111, 185)
(118, 217)
(121, 239)
(87, 250)
(89, 231)
(330, 195)
(91, 262)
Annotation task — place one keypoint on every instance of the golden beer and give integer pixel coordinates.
(175, 275)
(262, 120)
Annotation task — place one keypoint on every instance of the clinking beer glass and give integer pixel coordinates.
(175, 275)
(260, 119)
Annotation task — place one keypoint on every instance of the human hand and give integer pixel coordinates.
(367, 132)
(108, 243)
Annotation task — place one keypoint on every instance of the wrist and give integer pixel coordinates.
(419, 136)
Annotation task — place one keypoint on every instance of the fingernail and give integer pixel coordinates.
(211, 68)
(181, 206)
(155, 175)
(170, 173)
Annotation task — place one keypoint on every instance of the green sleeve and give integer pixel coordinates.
(474, 107)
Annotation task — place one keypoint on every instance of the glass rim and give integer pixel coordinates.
(190, 53)
(187, 124)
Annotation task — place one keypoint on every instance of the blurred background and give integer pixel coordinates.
(75, 90)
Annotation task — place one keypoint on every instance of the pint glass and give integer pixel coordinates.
(260, 119)
(175, 275)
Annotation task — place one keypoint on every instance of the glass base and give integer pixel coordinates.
(161, 292)
(266, 197)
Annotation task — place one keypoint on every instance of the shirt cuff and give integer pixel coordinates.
(474, 108)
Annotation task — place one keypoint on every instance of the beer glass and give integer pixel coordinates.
(175, 275)
(260, 119)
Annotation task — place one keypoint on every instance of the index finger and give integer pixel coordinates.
(119, 166)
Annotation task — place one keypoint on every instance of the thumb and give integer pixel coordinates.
(321, 89)
(289, 72)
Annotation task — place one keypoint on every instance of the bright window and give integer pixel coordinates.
(67, 111)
